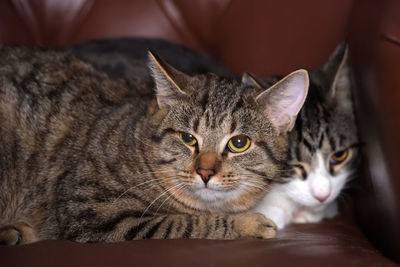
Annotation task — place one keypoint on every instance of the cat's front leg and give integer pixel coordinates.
(276, 207)
(235, 226)
(17, 234)
(245, 225)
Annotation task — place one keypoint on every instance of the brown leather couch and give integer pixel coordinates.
(264, 37)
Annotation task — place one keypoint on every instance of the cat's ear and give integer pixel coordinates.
(171, 84)
(337, 75)
(283, 101)
(334, 75)
(249, 80)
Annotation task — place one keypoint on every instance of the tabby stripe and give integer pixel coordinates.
(207, 116)
(195, 125)
(207, 223)
(196, 222)
(308, 145)
(262, 174)
(86, 215)
(109, 225)
(135, 230)
(204, 100)
(179, 227)
(231, 223)
(298, 152)
(111, 129)
(233, 126)
(217, 223)
(268, 151)
(321, 140)
(165, 161)
(169, 228)
(189, 227)
(299, 126)
(225, 224)
(158, 138)
(154, 228)
(332, 142)
(238, 105)
(222, 118)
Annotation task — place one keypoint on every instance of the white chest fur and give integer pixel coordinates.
(304, 201)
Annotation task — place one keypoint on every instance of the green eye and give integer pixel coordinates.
(188, 139)
(238, 144)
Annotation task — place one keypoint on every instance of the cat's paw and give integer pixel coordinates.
(278, 215)
(305, 216)
(10, 236)
(254, 225)
(18, 234)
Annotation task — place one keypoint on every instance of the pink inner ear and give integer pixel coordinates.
(289, 99)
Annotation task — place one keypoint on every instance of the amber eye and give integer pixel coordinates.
(238, 144)
(301, 172)
(339, 157)
(188, 139)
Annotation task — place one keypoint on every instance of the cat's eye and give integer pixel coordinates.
(301, 172)
(339, 157)
(188, 139)
(238, 143)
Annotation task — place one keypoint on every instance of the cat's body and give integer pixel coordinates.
(89, 159)
(322, 116)
(127, 57)
(323, 149)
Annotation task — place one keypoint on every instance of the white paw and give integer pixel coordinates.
(277, 215)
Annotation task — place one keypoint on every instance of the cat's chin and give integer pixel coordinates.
(210, 195)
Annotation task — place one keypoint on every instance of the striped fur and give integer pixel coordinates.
(88, 159)
(326, 123)
(325, 127)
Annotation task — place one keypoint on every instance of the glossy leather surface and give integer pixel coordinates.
(263, 37)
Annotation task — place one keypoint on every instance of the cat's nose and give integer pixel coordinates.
(205, 174)
(321, 197)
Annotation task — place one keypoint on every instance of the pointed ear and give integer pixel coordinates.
(250, 80)
(341, 83)
(171, 84)
(335, 72)
(283, 101)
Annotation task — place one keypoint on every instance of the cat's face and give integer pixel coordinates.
(324, 143)
(324, 162)
(217, 147)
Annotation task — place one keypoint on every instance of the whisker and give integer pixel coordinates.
(160, 181)
(183, 185)
(159, 196)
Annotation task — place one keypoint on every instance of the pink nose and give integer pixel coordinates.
(321, 198)
(205, 174)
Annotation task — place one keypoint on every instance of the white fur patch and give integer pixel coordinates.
(299, 201)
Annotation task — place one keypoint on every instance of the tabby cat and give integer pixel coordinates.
(90, 159)
(323, 148)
